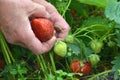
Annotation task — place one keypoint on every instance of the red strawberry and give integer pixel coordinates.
(80, 67)
(86, 68)
(73, 12)
(43, 29)
(1, 64)
(75, 66)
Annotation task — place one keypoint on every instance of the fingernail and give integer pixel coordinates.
(58, 28)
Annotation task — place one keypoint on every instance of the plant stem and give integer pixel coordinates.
(52, 61)
(107, 34)
(83, 51)
(85, 36)
(40, 63)
(84, 28)
(99, 74)
(66, 8)
(67, 64)
(5, 52)
(43, 62)
(21, 76)
(10, 54)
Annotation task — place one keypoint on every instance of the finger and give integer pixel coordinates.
(39, 48)
(49, 7)
(62, 28)
(49, 44)
(39, 11)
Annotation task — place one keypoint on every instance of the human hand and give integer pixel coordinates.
(61, 26)
(15, 24)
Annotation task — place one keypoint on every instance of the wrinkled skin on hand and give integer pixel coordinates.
(15, 18)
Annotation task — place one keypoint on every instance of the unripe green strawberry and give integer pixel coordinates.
(60, 48)
(96, 45)
(94, 59)
(69, 39)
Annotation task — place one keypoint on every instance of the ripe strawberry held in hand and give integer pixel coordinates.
(43, 29)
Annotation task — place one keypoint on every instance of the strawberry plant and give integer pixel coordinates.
(90, 51)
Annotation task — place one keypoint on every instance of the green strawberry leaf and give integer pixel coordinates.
(116, 66)
(98, 3)
(112, 11)
(118, 39)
